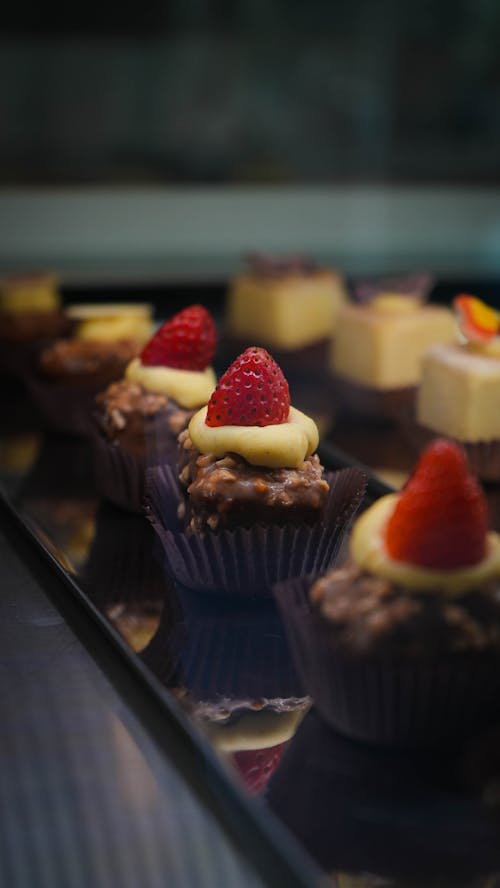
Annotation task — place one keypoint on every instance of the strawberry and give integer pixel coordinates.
(477, 321)
(186, 342)
(252, 392)
(441, 519)
(257, 765)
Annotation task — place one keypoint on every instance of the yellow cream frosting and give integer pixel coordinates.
(189, 388)
(285, 445)
(30, 292)
(109, 323)
(369, 552)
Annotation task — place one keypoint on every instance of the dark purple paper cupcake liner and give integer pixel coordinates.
(247, 562)
(389, 701)
(220, 650)
(122, 566)
(120, 474)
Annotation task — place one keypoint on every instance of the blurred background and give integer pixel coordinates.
(167, 137)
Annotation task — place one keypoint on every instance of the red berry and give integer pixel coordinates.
(441, 518)
(187, 341)
(252, 392)
(257, 765)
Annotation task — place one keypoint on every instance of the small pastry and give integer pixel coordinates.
(30, 307)
(249, 454)
(289, 305)
(254, 503)
(401, 646)
(140, 416)
(378, 349)
(30, 315)
(459, 395)
(111, 322)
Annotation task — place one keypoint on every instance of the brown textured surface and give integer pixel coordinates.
(361, 400)
(82, 358)
(229, 492)
(134, 418)
(369, 614)
(27, 326)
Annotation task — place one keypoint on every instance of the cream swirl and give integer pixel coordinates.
(369, 552)
(285, 445)
(189, 388)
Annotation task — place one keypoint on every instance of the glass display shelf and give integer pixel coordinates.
(224, 672)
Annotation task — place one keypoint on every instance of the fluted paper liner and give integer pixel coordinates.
(392, 701)
(120, 474)
(249, 561)
(220, 648)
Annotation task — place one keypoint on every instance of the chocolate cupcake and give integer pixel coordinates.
(256, 504)
(138, 419)
(30, 316)
(401, 646)
(69, 374)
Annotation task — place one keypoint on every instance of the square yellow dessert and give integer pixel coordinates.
(459, 394)
(284, 305)
(380, 345)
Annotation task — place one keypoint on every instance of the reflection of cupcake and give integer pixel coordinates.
(402, 645)
(66, 525)
(257, 506)
(378, 349)
(70, 372)
(63, 468)
(30, 315)
(459, 395)
(140, 417)
(123, 577)
(252, 743)
(350, 806)
(18, 453)
(218, 650)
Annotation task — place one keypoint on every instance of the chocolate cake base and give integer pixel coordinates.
(483, 456)
(359, 400)
(388, 698)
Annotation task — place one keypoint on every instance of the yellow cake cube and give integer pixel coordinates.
(285, 311)
(459, 394)
(380, 345)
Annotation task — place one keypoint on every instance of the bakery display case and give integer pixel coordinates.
(211, 671)
(211, 676)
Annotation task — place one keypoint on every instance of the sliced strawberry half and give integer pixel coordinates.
(185, 342)
(257, 765)
(252, 392)
(441, 518)
(477, 321)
